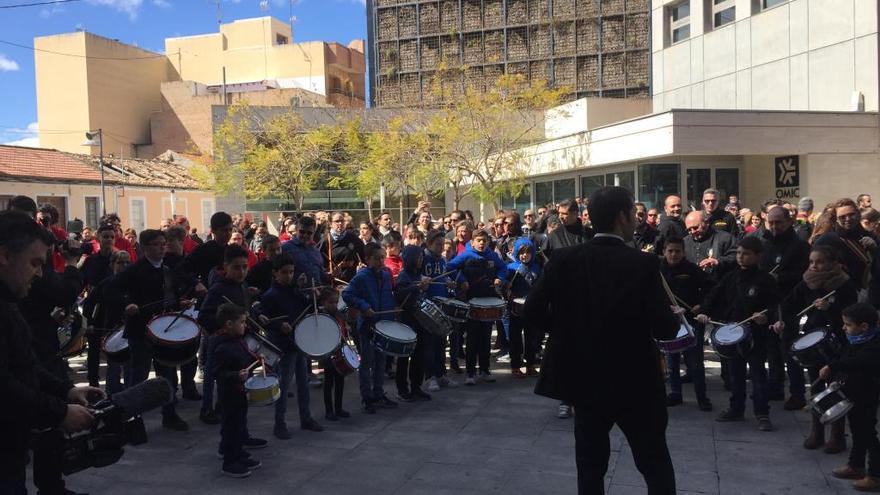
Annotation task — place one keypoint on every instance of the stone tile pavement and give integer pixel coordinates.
(492, 438)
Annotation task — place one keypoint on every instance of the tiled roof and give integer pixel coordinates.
(170, 170)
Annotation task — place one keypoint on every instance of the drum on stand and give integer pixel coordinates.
(456, 311)
(346, 359)
(831, 404)
(262, 390)
(394, 338)
(261, 346)
(731, 340)
(487, 309)
(684, 340)
(115, 346)
(815, 348)
(175, 344)
(317, 335)
(432, 318)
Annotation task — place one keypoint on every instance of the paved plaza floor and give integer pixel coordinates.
(492, 438)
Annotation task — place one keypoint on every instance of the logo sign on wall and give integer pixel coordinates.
(788, 177)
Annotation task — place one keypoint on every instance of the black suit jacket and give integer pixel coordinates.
(605, 304)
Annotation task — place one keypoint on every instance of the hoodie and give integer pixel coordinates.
(479, 269)
(523, 276)
(406, 292)
(435, 266)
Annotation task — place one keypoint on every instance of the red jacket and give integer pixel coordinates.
(394, 264)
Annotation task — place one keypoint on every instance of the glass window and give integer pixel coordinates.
(591, 183)
(681, 11)
(4, 201)
(543, 193)
(772, 3)
(563, 189)
(698, 180)
(138, 214)
(656, 181)
(622, 179)
(92, 212)
(679, 16)
(727, 182)
(519, 203)
(723, 12)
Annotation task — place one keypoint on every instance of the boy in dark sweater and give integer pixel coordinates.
(524, 273)
(860, 363)
(230, 364)
(746, 292)
(408, 290)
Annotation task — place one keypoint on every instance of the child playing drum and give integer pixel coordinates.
(860, 363)
(525, 271)
(408, 290)
(334, 381)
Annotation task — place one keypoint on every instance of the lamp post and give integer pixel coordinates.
(96, 138)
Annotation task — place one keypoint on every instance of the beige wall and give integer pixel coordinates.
(158, 201)
(62, 91)
(801, 55)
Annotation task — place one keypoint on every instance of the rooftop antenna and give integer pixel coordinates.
(264, 5)
(219, 12)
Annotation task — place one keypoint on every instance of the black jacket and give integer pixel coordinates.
(786, 256)
(260, 276)
(143, 285)
(51, 290)
(33, 397)
(686, 280)
(723, 220)
(740, 294)
(723, 247)
(604, 305)
(566, 235)
(860, 363)
(347, 252)
(221, 289)
(96, 268)
(802, 296)
(645, 236)
(282, 300)
(229, 356)
(202, 260)
(104, 306)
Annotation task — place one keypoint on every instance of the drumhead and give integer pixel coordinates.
(450, 302)
(729, 334)
(258, 382)
(182, 330)
(317, 335)
(519, 300)
(683, 331)
(351, 356)
(395, 331)
(486, 302)
(115, 342)
(808, 340)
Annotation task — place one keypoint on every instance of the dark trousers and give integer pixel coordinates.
(14, 483)
(478, 335)
(141, 360)
(755, 362)
(47, 463)
(780, 364)
(455, 344)
(434, 362)
(523, 343)
(334, 385)
(93, 356)
(233, 426)
(644, 426)
(502, 341)
(693, 357)
(411, 370)
(865, 445)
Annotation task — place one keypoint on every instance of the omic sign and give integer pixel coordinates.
(788, 177)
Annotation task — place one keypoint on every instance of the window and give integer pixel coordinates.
(679, 22)
(656, 181)
(767, 4)
(622, 179)
(698, 180)
(520, 202)
(4, 201)
(92, 214)
(207, 211)
(563, 189)
(138, 207)
(280, 39)
(543, 193)
(723, 12)
(727, 182)
(591, 183)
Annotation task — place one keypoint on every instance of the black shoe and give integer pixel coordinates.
(310, 425)
(244, 455)
(419, 395)
(236, 470)
(368, 407)
(191, 394)
(331, 417)
(764, 423)
(342, 413)
(281, 432)
(727, 416)
(209, 418)
(254, 443)
(251, 463)
(705, 405)
(174, 422)
(404, 397)
(674, 400)
(387, 403)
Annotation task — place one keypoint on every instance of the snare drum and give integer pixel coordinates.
(262, 390)
(261, 346)
(684, 340)
(731, 340)
(72, 336)
(456, 311)
(517, 305)
(486, 308)
(394, 338)
(317, 335)
(432, 318)
(177, 344)
(346, 360)
(115, 346)
(831, 404)
(815, 348)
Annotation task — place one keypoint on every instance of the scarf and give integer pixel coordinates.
(829, 280)
(863, 337)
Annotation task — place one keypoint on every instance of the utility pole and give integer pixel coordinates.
(90, 141)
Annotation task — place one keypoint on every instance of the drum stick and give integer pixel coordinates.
(719, 323)
(179, 314)
(314, 299)
(750, 318)
(253, 321)
(774, 269)
(443, 274)
(683, 304)
(811, 306)
(388, 311)
(340, 281)
(278, 318)
(258, 361)
(816, 383)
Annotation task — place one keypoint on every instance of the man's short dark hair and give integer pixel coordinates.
(752, 244)
(673, 239)
(234, 251)
(281, 261)
(305, 222)
(175, 233)
(149, 235)
(18, 231)
(220, 219)
(570, 205)
(392, 238)
(606, 203)
(480, 233)
(23, 204)
(229, 312)
(106, 227)
(49, 209)
(372, 248)
(860, 313)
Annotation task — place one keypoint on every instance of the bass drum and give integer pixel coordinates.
(175, 337)
(317, 336)
(115, 346)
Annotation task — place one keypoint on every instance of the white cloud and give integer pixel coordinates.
(31, 142)
(7, 64)
(162, 3)
(50, 11)
(130, 7)
(27, 137)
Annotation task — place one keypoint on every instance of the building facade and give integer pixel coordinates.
(593, 47)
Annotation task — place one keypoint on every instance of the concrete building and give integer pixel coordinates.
(86, 82)
(759, 98)
(594, 47)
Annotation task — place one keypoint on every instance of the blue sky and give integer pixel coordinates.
(145, 23)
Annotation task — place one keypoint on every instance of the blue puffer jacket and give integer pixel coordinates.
(370, 289)
(523, 276)
(434, 266)
(479, 269)
(307, 259)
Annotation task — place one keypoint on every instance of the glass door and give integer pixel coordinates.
(698, 180)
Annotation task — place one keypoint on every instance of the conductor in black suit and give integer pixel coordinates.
(606, 305)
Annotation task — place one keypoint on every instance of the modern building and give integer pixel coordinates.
(759, 98)
(87, 82)
(593, 47)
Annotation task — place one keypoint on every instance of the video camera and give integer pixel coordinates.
(117, 423)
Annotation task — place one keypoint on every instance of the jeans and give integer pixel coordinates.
(755, 361)
(139, 370)
(293, 362)
(523, 344)
(371, 374)
(47, 460)
(865, 446)
(207, 376)
(693, 357)
(478, 340)
(502, 341)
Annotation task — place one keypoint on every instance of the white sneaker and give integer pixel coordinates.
(564, 412)
(487, 377)
(470, 381)
(432, 385)
(503, 358)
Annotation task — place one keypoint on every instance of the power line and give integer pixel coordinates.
(36, 4)
(26, 47)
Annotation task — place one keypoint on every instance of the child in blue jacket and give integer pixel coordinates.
(434, 267)
(523, 273)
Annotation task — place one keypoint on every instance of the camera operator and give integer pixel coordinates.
(34, 397)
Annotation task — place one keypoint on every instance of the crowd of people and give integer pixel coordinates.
(451, 284)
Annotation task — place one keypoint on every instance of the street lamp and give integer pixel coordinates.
(96, 138)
